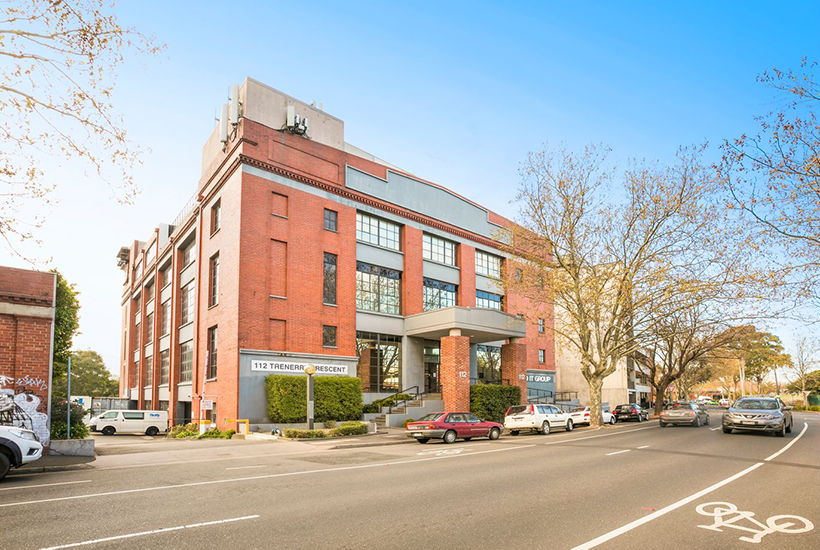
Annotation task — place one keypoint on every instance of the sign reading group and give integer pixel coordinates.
(280, 367)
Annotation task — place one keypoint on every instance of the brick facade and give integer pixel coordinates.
(514, 366)
(26, 321)
(455, 373)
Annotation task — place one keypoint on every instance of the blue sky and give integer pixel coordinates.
(454, 92)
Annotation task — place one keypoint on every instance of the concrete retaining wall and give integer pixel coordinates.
(72, 447)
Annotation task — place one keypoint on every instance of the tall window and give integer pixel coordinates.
(378, 288)
(164, 366)
(487, 264)
(541, 356)
(187, 304)
(380, 357)
(186, 361)
(328, 336)
(487, 300)
(213, 290)
(149, 370)
(438, 250)
(136, 376)
(331, 220)
(216, 216)
(377, 231)
(438, 294)
(137, 333)
(165, 276)
(149, 328)
(488, 361)
(541, 326)
(329, 279)
(212, 346)
(188, 254)
(149, 293)
(165, 319)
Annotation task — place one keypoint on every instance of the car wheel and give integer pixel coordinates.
(789, 428)
(513, 432)
(782, 431)
(423, 440)
(449, 436)
(152, 431)
(707, 419)
(5, 465)
(108, 430)
(727, 430)
(545, 428)
(640, 418)
(661, 423)
(495, 433)
(569, 425)
(612, 420)
(697, 422)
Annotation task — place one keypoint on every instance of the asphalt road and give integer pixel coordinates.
(628, 486)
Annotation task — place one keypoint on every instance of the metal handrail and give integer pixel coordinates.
(498, 382)
(189, 206)
(540, 394)
(410, 391)
(566, 395)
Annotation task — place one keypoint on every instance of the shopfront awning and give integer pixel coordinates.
(479, 324)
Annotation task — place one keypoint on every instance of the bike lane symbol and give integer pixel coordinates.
(443, 452)
(775, 524)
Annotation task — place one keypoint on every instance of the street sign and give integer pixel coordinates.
(806, 392)
(207, 404)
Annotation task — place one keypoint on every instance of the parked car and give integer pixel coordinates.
(122, 421)
(580, 415)
(766, 414)
(723, 402)
(451, 426)
(631, 411)
(18, 446)
(678, 412)
(537, 418)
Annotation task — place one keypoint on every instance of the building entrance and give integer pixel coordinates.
(432, 367)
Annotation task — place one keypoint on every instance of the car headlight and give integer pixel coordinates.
(770, 417)
(24, 434)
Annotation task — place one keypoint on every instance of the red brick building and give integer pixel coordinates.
(299, 248)
(27, 303)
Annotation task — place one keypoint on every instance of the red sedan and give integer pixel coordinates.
(451, 426)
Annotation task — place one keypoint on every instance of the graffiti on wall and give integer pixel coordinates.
(21, 406)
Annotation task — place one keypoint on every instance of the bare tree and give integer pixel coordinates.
(58, 64)
(609, 249)
(805, 362)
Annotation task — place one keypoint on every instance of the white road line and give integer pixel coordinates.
(713, 429)
(245, 467)
(267, 476)
(792, 442)
(674, 506)
(154, 532)
(43, 485)
(618, 452)
(643, 446)
(620, 432)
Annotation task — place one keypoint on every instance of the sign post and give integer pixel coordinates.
(68, 400)
(310, 370)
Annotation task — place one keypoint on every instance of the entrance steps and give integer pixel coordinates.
(412, 409)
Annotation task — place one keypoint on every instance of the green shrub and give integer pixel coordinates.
(408, 420)
(349, 428)
(335, 398)
(372, 408)
(186, 433)
(814, 399)
(58, 413)
(179, 428)
(813, 408)
(78, 431)
(216, 434)
(329, 424)
(293, 433)
(490, 401)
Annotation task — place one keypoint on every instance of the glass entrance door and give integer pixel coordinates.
(432, 365)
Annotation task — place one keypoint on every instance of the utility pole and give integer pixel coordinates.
(68, 400)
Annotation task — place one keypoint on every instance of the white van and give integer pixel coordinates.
(125, 421)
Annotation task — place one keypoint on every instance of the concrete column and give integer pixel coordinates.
(455, 372)
(514, 365)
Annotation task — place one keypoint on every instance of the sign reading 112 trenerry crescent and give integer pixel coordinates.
(280, 367)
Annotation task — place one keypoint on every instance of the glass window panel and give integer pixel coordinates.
(487, 264)
(376, 231)
(487, 300)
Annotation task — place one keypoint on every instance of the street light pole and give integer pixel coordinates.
(68, 400)
(310, 370)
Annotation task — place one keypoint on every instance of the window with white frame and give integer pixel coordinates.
(438, 249)
(487, 264)
(373, 230)
(188, 300)
(186, 361)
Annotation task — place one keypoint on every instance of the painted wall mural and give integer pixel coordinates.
(24, 403)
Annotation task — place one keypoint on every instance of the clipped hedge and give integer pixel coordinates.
(347, 428)
(376, 406)
(490, 401)
(335, 398)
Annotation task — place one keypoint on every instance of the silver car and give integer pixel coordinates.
(763, 414)
(681, 412)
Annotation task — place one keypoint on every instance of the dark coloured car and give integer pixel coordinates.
(762, 414)
(451, 426)
(681, 412)
(631, 411)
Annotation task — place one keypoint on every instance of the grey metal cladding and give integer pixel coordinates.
(423, 198)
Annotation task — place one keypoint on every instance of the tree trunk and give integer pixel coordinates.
(660, 391)
(595, 413)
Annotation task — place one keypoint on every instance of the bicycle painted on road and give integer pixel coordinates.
(775, 524)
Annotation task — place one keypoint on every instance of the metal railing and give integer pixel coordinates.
(187, 209)
(535, 395)
(497, 382)
(566, 395)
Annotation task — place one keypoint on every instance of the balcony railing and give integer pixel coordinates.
(187, 209)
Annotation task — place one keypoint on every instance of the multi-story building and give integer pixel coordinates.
(298, 248)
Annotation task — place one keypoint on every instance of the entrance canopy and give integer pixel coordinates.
(481, 325)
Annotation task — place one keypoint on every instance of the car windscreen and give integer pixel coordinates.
(624, 407)
(579, 409)
(676, 406)
(430, 417)
(765, 404)
(518, 409)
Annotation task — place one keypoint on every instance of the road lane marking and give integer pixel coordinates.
(618, 452)
(44, 485)
(267, 476)
(154, 532)
(643, 446)
(774, 524)
(245, 467)
(713, 429)
(620, 432)
(675, 505)
(792, 442)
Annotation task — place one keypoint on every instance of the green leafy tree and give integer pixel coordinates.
(66, 327)
(89, 375)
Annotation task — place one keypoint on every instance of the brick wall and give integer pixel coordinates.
(455, 373)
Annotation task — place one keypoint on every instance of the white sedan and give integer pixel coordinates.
(580, 415)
